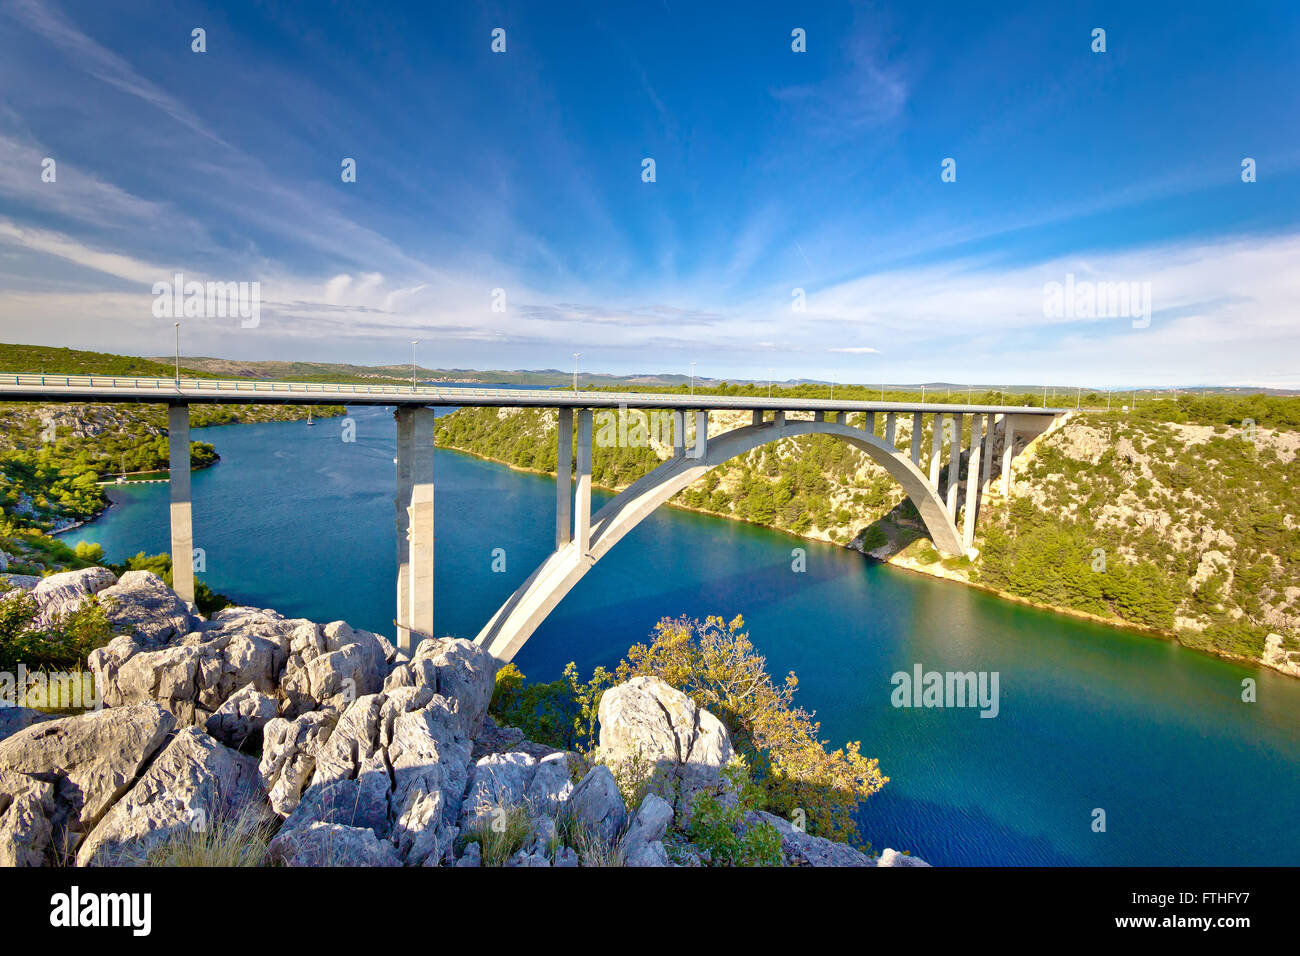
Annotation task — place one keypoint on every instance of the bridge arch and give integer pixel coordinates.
(529, 605)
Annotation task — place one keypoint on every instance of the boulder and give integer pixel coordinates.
(331, 666)
(60, 594)
(289, 749)
(142, 605)
(4, 561)
(550, 786)
(566, 856)
(459, 670)
(646, 854)
(193, 784)
(498, 782)
(396, 764)
(650, 823)
(243, 717)
(683, 747)
(26, 808)
(332, 844)
(14, 719)
(495, 739)
(21, 582)
(597, 806)
(92, 760)
(894, 858)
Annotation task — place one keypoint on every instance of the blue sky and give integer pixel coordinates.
(774, 171)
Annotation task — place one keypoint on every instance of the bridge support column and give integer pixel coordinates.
(182, 518)
(758, 416)
(916, 438)
(582, 505)
(869, 426)
(986, 459)
(819, 416)
(564, 479)
(701, 434)
(972, 482)
(1008, 446)
(778, 419)
(679, 432)
(415, 541)
(954, 465)
(891, 420)
(936, 450)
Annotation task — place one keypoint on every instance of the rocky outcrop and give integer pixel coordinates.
(363, 757)
(91, 760)
(194, 784)
(648, 726)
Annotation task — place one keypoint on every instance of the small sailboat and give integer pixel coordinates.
(309, 421)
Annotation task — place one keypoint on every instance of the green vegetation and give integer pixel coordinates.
(58, 645)
(716, 826)
(207, 600)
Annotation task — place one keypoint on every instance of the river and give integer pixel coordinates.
(1155, 735)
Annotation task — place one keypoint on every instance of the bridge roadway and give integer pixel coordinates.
(121, 388)
(580, 538)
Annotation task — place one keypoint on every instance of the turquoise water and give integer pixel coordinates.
(1155, 735)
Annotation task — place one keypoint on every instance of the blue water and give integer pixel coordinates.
(1153, 734)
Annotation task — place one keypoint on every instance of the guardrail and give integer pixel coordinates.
(203, 387)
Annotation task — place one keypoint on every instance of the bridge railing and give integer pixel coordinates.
(199, 387)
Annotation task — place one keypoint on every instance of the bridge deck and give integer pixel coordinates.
(110, 389)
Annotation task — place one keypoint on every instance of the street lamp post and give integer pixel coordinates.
(769, 382)
(414, 343)
(692, 378)
(576, 356)
(178, 355)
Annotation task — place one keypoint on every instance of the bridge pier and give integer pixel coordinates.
(972, 482)
(582, 505)
(891, 422)
(701, 433)
(936, 450)
(563, 478)
(916, 438)
(1008, 447)
(954, 465)
(415, 539)
(182, 517)
(986, 460)
(758, 416)
(869, 426)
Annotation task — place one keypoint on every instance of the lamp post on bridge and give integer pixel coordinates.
(414, 343)
(769, 381)
(576, 356)
(177, 326)
(692, 379)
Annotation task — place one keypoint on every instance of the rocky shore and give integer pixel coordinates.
(331, 747)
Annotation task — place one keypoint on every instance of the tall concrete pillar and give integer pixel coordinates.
(758, 416)
(819, 416)
(582, 502)
(916, 438)
(972, 481)
(679, 432)
(891, 420)
(954, 465)
(869, 426)
(936, 449)
(778, 419)
(182, 517)
(701, 434)
(415, 541)
(564, 480)
(986, 459)
(1008, 446)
